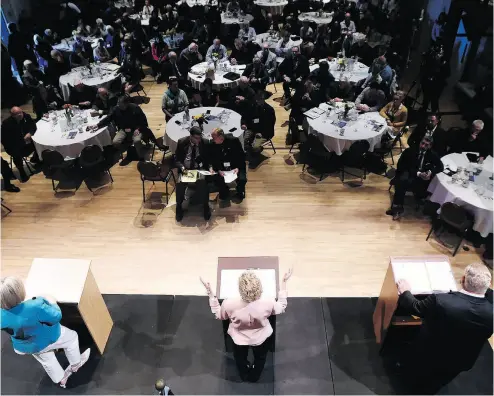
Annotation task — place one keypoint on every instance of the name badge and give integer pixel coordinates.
(256, 121)
(226, 164)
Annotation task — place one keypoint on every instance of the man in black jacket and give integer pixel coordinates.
(455, 327)
(257, 74)
(17, 131)
(293, 70)
(470, 140)
(226, 154)
(415, 170)
(103, 102)
(192, 154)
(81, 95)
(242, 97)
(431, 128)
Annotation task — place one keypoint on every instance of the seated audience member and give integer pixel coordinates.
(216, 51)
(306, 32)
(347, 26)
(132, 127)
(284, 45)
(50, 37)
(227, 154)
(233, 6)
(169, 20)
(42, 47)
(82, 29)
(147, 10)
(195, 99)
(100, 29)
(112, 42)
(159, 52)
(431, 363)
(468, 140)
(154, 24)
(17, 131)
(100, 53)
(432, 129)
(81, 95)
(174, 99)
(322, 43)
(395, 113)
(415, 170)
(77, 58)
(381, 72)
(190, 57)
(257, 74)
(371, 98)
(103, 103)
(171, 68)
(209, 98)
(240, 54)
(131, 71)
(57, 67)
(305, 98)
(192, 153)
(341, 91)
(323, 79)
(124, 50)
(268, 23)
(258, 126)
(246, 33)
(200, 31)
(268, 59)
(292, 26)
(363, 51)
(8, 175)
(293, 70)
(242, 97)
(224, 99)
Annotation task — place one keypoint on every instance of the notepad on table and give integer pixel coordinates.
(314, 113)
(189, 177)
(230, 277)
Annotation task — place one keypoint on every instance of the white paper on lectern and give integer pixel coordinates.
(229, 282)
(440, 276)
(415, 273)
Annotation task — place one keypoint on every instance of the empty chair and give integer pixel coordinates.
(154, 172)
(388, 148)
(355, 158)
(92, 162)
(55, 166)
(313, 153)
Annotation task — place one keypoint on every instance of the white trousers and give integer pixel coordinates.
(69, 342)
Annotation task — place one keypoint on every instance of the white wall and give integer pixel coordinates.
(12, 8)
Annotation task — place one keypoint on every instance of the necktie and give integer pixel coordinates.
(421, 160)
(193, 157)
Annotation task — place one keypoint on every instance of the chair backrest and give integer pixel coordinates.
(358, 149)
(91, 155)
(455, 216)
(148, 169)
(52, 158)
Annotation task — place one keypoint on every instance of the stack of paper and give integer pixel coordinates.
(189, 177)
(314, 113)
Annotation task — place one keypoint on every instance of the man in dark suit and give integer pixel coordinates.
(430, 128)
(293, 70)
(471, 140)
(415, 170)
(257, 74)
(455, 327)
(17, 131)
(192, 154)
(103, 102)
(242, 97)
(227, 154)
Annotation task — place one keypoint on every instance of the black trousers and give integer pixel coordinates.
(240, 353)
(241, 181)
(21, 152)
(7, 173)
(201, 190)
(287, 85)
(431, 95)
(406, 182)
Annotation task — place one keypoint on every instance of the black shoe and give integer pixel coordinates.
(207, 213)
(224, 197)
(238, 197)
(126, 161)
(179, 214)
(390, 212)
(24, 178)
(12, 188)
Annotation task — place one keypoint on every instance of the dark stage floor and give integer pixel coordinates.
(323, 346)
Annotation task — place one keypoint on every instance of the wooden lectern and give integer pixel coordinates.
(72, 283)
(426, 275)
(230, 269)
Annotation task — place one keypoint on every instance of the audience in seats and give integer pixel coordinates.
(470, 140)
(216, 52)
(293, 70)
(323, 80)
(432, 129)
(174, 99)
(306, 97)
(371, 98)
(268, 59)
(257, 74)
(103, 103)
(395, 113)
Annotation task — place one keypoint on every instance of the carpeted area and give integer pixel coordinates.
(323, 346)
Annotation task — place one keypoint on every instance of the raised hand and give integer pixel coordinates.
(207, 286)
(287, 275)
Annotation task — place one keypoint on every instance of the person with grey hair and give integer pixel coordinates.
(217, 51)
(268, 59)
(190, 56)
(100, 29)
(100, 53)
(455, 327)
(257, 74)
(249, 324)
(34, 328)
(246, 33)
(471, 140)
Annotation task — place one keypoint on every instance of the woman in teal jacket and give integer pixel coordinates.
(34, 328)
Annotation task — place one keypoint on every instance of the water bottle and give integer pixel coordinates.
(187, 114)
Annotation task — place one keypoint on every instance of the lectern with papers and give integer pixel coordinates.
(426, 275)
(72, 284)
(229, 271)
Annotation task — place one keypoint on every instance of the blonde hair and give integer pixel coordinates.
(250, 287)
(12, 292)
(477, 278)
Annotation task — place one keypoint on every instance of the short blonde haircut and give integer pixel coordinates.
(250, 287)
(12, 292)
(477, 278)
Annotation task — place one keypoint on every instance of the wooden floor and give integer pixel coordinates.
(336, 237)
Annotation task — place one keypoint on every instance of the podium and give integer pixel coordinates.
(426, 275)
(230, 269)
(72, 284)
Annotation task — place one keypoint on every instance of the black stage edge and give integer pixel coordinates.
(323, 346)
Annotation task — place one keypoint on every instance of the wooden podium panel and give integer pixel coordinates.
(384, 315)
(71, 282)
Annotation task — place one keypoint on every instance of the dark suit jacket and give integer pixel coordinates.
(267, 120)
(133, 117)
(229, 151)
(13, 133)
(409, 162)
(455, 327)
(181, 152)
(98, 104)
(460, 143)
(287, 67)
(439, 142)
(261, 73)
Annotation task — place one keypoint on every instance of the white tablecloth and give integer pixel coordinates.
(329, 133)
(192, 3)
(175, 132)
(443, 190)
(80, 74)
(273, 6)
(219, 81)
(325, 19)
(360, 71)
(144, 21)
(263, 38)
(48, 137)
(67, 44)
(231, 20)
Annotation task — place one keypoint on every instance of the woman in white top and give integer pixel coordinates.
(249, 323)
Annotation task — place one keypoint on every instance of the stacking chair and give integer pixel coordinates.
(453, 218)
(92, 161)
(388, 150)
(55, 166)
(159, 144)
(24, 159)
(298, 134)
(315, 154)
(269, 142)
(355, 157)
(6, 208)
(153, 172)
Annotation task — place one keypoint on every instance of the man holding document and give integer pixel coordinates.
(455, 327)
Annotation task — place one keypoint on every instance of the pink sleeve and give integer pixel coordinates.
(218, 310)
(279, 306)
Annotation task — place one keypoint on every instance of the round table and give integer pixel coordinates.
(325, 19)
(197, 76)
(368, 126)
(193, 3)
(51, 137)
(231, 20)
(144, 20)
(231, 119)
(481, 206)
(67, 44)
(108, 73)
(274, 7)
(359, 72)
(263, 38)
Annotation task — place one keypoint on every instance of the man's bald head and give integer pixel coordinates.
(17, 113)
(103, 92)
(244, 81)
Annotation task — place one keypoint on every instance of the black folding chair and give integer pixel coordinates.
(314, 154)
(6, 208)
(159, 144)
(388, 148)
(92, 161)
(355, 158)
(153, 172)
(55, 166)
